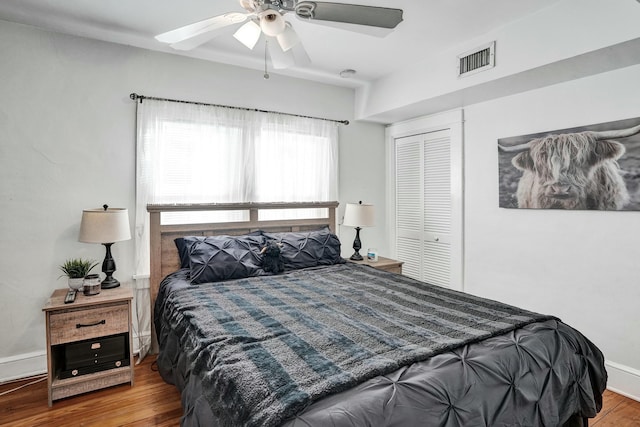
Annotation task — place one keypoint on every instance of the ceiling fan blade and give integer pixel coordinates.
(288, 38)
(300, 55)
(360, 29)
(279, 58)
(248, 34)
(349, 13)
(195, 41)
(198, 28)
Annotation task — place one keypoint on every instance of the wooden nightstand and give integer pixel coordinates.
(386, 264)
(89, 342)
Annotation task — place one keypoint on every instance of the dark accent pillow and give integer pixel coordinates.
(183, 252)
(217, 258)
(308, 248)
(183, 248)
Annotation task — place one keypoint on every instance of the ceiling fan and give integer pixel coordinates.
(266, 17)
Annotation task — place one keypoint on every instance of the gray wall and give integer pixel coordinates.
(581, 266)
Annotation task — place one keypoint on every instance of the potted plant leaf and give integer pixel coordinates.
(75, 269)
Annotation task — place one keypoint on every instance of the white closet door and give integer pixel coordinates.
(409, 217)
(437, 208)
(423, 206)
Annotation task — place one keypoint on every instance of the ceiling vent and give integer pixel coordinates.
(477, 60)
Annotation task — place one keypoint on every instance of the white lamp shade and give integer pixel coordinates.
(272, 23)
(104, 226)
(248, 34)
(359, 215)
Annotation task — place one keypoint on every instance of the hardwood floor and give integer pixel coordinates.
(152, 402)
(617, 411)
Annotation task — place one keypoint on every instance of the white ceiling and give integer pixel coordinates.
(428, 26)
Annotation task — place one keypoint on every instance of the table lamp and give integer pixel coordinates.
(358, 215)
(106, 226)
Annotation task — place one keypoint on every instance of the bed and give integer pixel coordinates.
(331, 343)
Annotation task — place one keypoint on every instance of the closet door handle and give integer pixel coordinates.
(100, 322)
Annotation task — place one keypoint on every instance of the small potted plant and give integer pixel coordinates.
(75, 269)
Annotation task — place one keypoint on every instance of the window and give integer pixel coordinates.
(198, 163)
(190, 153)
(204, 154)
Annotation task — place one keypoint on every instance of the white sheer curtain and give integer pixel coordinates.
(189, 153)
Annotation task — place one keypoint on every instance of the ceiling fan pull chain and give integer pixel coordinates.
(266, 48)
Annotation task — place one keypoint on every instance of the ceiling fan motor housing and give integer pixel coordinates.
(281, 6)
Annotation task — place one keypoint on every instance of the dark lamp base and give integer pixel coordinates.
(356, 257)
(109, 283)
(356, 247)
(108, 268)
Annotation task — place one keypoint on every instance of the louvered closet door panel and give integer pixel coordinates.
(437, 209)
(408, 187)
(410, 252)
(423, 206)
(437, 186)
(409, 217)
(436, 263)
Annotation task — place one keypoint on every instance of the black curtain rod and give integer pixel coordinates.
(137, 97)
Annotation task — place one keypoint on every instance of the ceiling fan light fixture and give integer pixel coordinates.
(248, 34)
(288, 38)
(272, 23)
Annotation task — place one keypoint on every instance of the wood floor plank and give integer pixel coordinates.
(153, 403)
(609, 402)
(617, 411)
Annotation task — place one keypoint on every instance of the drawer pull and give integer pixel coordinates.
(101, 322)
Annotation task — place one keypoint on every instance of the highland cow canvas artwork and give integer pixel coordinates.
(595, 167)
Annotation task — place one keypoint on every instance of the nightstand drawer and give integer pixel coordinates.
(94, 351)
(81, 324)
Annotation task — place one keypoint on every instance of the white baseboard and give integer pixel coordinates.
(623, 380)
(23, 366)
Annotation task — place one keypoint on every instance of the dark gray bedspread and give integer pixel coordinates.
(541, 372)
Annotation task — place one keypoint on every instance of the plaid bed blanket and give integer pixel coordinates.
(266, 347)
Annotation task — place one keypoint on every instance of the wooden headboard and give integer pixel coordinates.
(164, 255)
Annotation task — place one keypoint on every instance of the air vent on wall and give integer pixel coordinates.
(477, 60)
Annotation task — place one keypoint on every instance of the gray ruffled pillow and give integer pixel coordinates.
(217, 258)
(308, 248)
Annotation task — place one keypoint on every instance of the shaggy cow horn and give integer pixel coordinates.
(515, 148)
(613, 134)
